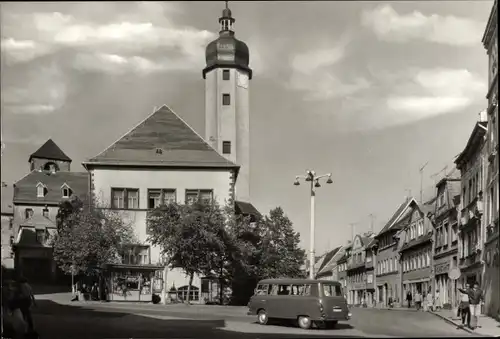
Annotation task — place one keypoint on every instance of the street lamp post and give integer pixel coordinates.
(314, 182)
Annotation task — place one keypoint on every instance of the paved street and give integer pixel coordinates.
(156, 321)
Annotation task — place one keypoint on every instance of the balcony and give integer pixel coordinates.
(352, 265)
(474, 210)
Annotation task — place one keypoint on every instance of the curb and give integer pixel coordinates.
(459, 326)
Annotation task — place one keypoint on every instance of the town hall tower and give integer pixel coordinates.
(227, 106)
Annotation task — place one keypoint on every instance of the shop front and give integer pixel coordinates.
(133, 282)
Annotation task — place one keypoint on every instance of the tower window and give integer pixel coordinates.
(226, 147)
(45, 212)
(226, 99)
(225, 74)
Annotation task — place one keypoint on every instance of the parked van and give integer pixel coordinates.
(319, 302)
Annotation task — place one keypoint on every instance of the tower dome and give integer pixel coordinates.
(227, 51)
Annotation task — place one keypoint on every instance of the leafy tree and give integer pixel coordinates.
(280, 254)
(267, 248)
(88, 237)
(192, 237)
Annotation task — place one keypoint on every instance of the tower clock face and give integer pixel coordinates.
(243, 80)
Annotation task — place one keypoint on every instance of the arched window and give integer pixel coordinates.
(194, 293)
(51, 167)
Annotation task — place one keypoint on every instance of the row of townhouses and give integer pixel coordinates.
(425, 246)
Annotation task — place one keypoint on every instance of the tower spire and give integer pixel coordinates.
(227, 20)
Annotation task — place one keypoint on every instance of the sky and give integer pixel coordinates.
(369, 91)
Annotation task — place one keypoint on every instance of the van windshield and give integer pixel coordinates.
(330, 290)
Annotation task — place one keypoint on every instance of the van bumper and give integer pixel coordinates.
(250, 313)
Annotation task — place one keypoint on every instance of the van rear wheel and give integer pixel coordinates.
(262, 317)
(304, 322)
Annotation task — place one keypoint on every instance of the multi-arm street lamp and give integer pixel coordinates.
(314, 182)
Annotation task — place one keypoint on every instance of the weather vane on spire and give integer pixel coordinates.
(227, 4)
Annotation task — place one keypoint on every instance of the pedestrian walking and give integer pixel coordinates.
(409, 298)
(463, 307)
(437, 302)
(418, 301)
(430, 301)
(475, 301)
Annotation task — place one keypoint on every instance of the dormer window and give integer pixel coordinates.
(40, 190)
(65, 190)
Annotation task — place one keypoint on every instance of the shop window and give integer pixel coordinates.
(194, 293)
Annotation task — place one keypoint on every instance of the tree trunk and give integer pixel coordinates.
(191, 277)
(221, 291)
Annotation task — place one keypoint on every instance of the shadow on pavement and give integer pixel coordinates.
(293, 324)
(55, 321)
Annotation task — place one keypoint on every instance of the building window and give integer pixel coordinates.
(445, 233)
(226, 99)
(225, 74)
(28, 213)
(205, 196)
(125, 198)
(40, 190)
(45, 212)
(157, 197)
(226, 147)
(454, 233)
(66, 192)
(40, 236)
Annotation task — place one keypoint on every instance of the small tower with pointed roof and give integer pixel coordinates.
(227, 105)
(50, 158)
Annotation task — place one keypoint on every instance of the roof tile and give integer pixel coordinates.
(162, 139)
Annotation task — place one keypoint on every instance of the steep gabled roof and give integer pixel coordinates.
(25, 189)
(162, 139)
(332, 262)
(396, 216)
(474, 141)
(50, 151)
(328, 256)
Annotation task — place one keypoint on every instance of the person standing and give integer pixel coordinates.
(430, 301)
(418, 300)
(475, 301)
(464, 306)
(409, 298)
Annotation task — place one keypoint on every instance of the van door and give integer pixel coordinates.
(334, 302)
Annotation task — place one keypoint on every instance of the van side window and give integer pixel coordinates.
(302, 289)
(283, 289)
(274, 289)
(262, 289)
(332, 290)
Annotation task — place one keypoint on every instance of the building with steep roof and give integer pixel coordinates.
(387, 273)
(35, 202)
(328, 271)
(491, 279)
(445, 217)
(358, 281)
(472, 163)
(415, 250)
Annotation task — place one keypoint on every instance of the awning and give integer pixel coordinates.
(246, 208)
(133, 267)
(416, 281)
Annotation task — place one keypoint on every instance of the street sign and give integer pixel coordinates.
(454, 273)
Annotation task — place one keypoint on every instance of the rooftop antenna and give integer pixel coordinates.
(372, 217)
(421, 170)
(438, 173)
(408, 190)
(353, 228)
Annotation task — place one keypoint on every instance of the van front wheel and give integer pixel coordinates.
(304, 322)
(262, 317)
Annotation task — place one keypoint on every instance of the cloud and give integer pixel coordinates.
(119, 64)
(44, 92)
(124, 35)
(389, 25)
(314, 73)
(19, 51)
(436, 91)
